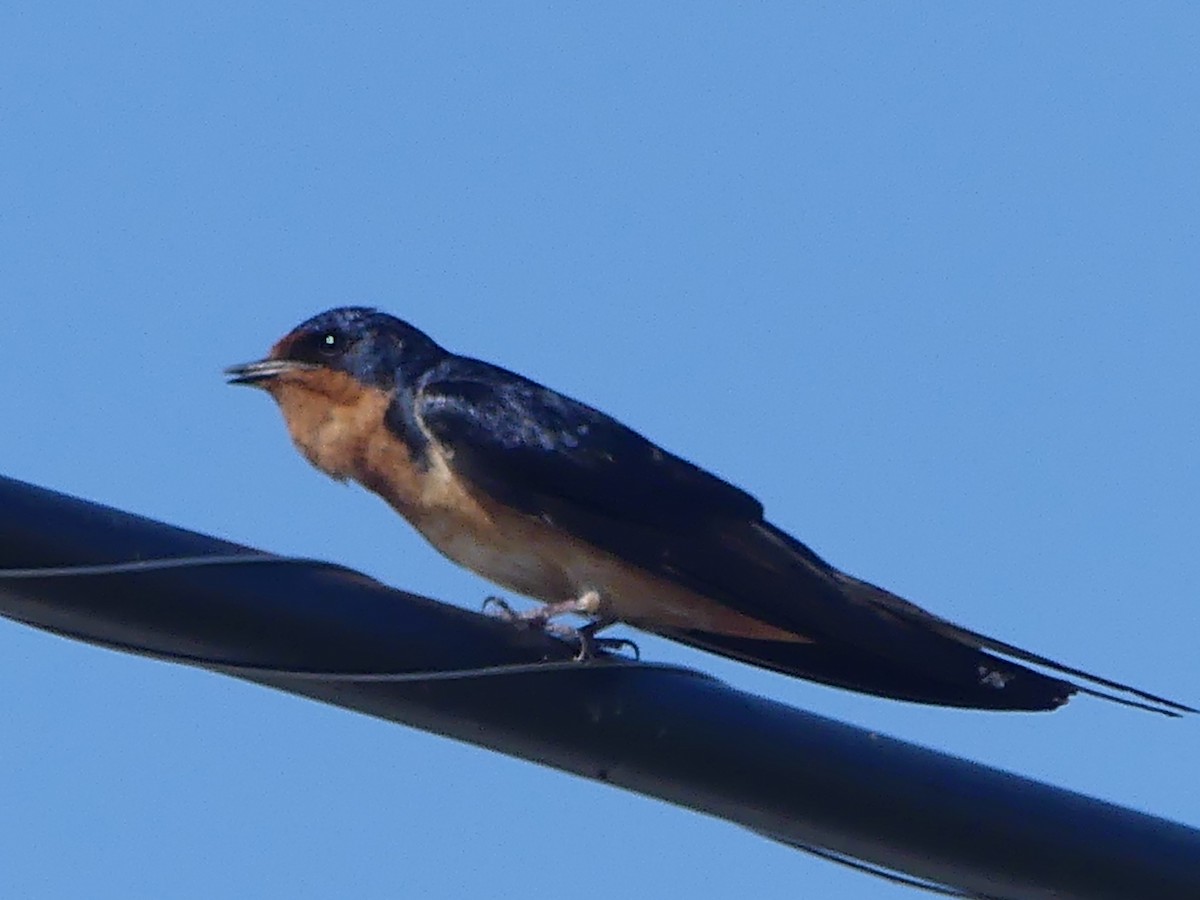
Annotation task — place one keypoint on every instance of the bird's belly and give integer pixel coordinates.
(534, 559)
(531, 556)
(526, 567)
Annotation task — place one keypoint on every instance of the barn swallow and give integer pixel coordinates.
(555, 500)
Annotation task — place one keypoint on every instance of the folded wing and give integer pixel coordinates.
(570, 465)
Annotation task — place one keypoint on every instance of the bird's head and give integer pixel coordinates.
(334, 377)
(350, 343)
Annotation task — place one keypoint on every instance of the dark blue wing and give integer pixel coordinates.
(523, 442)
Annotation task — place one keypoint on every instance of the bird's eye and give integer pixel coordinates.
(329, 343)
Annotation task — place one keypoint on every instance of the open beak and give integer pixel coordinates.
(256, 374)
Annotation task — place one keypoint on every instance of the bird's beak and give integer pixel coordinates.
(256, 374)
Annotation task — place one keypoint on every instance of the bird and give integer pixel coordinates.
(557, 501)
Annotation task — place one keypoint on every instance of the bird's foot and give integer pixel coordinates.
(585, 636)
(586, 605)
(590, 645)
(530, 618)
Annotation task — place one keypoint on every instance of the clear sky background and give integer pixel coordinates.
(924, 280)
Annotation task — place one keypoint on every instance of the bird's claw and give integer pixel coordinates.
(503, 609)
(590, 644)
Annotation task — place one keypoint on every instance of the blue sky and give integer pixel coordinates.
(921, 278)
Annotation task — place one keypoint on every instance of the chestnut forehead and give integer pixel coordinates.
(285, 344)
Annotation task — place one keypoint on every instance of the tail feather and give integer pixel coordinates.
(988, 643)
(1167, 709)
(916, 615)
(864, 595)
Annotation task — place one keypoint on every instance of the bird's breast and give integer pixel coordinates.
(332, 419)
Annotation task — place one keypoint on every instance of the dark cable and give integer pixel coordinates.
(548, 666)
